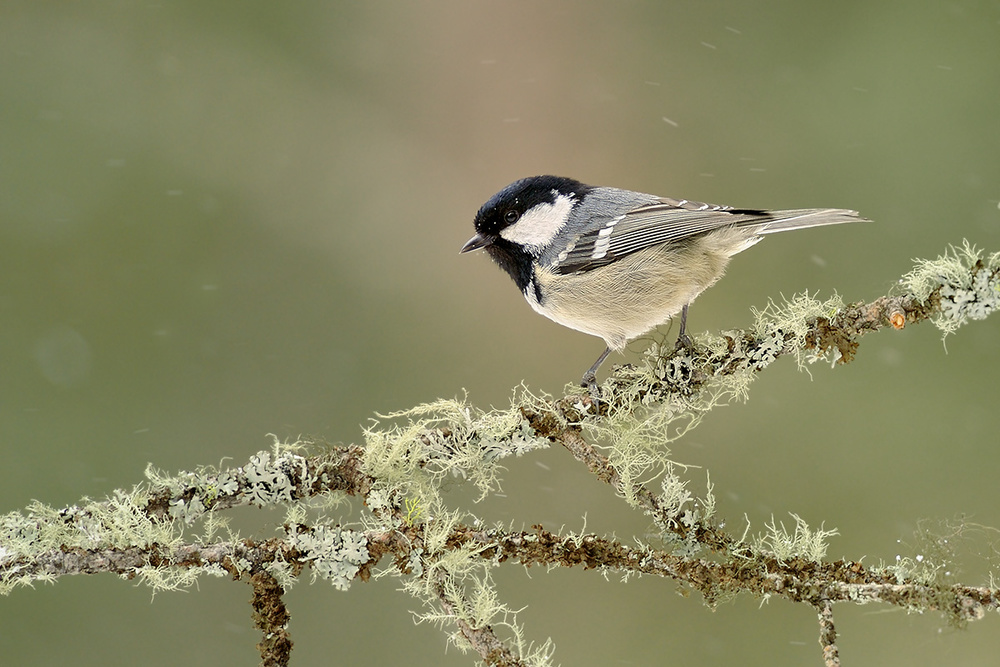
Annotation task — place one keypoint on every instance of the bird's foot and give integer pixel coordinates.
(685, 343)
(589, 382)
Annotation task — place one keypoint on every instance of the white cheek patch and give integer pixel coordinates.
(540, 224)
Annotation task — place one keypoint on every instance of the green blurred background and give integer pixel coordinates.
(220, 220)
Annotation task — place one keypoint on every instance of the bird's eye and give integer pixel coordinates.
(511, 216)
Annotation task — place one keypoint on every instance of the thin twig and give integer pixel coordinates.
(828, 635)
(484, 639)
(271, 617)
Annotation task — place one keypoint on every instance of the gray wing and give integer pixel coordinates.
(663, 221)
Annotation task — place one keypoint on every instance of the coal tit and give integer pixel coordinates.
(615, 263)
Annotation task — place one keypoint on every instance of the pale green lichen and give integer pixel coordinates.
(166, 578)
(653, 403)
(649, 407)
(789, 323)
(124, 520)
(474, 600)
(968, 281)
(674, 496)
(421, 449)
(335, 554)
(438, 528)
(120, 522)
(917, 568)
(282, 573)
(268, 478)
(784, 545)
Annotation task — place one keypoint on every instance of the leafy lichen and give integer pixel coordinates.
(336, 554)
(967, 281)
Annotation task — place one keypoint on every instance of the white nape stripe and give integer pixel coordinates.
(540, 224)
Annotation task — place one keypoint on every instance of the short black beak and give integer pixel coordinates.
(475, 243)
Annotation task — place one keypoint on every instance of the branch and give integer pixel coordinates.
(482, 639)
(828, 635)
(797, 580)
(443, 556)
(271, 617)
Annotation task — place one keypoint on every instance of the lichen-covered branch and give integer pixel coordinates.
(271, 617)
(797, 580)
(481, 638)
(173, 529)
(828, 635)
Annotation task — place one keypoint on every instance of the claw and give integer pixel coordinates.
(589, 382)
(685, 343)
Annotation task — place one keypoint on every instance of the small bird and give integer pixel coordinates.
(615, 263)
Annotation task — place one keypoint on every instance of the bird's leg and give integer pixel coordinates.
(683, 340)
(590, 377)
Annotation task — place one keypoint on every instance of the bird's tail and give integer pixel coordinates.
(786, 221)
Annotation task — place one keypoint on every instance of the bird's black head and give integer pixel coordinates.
(514, 249)
(506, 207)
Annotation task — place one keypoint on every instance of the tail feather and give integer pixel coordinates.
(786, 221)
